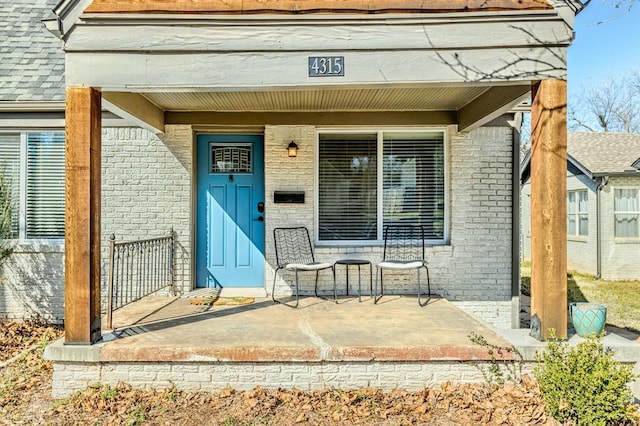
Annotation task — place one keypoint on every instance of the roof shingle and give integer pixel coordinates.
(603, 153)
(31, 58)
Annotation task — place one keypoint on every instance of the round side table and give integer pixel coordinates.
(358, 263)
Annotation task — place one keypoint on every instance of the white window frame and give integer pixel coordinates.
(615, 212)
(578, 214)
(380, 181)
(22, 215)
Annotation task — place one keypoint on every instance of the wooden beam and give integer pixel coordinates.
(490, 105)
(136, 109)
(82, 216)
(308, 6)
(343, 118)
(549, 209)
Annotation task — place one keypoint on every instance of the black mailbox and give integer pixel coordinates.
(296, 197)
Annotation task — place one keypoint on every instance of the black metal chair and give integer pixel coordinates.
(403, 250)
(294, 253)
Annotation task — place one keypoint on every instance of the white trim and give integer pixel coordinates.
(31, 106)
(578, 213)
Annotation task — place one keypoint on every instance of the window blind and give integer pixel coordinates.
(413, 176)
(45, 185)
(10, 167)
(347, 193)
(627, 213)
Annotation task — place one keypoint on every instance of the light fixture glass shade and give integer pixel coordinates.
(292, 149)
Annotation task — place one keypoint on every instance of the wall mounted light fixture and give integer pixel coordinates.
(292, 149)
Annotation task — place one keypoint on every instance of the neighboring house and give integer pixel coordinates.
(399, 113)
(603, 205)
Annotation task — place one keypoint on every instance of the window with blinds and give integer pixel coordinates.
(413, 173)
(45, 185)
(34, 162)
(347, 193)
(357, 195)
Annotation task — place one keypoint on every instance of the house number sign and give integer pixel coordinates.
(326, 66)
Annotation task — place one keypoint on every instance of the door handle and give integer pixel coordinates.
(259, 219)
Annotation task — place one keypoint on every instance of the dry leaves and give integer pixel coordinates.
(25, 389)
(16, 336)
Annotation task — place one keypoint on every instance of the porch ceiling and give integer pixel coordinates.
(351, 99)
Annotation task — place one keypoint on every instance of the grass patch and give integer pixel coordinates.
(622, 298)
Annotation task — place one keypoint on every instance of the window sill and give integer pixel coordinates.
(578, 239)
(38, 246)
(627, 240)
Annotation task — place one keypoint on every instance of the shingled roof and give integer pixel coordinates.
(605, 153)
(31, 58)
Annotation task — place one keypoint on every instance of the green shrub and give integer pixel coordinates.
(6, 208)
(583, 384)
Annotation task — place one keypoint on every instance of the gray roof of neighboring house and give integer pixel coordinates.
(605, 153)
(593, 155)
(31, 58)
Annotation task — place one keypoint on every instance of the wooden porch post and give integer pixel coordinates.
(82, 220)
(549, 209)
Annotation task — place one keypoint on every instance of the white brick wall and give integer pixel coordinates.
(475, 268)
(412, 376)
(147, 189)
(32, 283)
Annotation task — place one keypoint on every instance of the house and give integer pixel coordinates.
(386, 103)
(179, 115)
(603, 205)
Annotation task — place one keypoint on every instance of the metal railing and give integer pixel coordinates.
(138, 269)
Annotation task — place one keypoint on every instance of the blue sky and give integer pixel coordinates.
(603, 50)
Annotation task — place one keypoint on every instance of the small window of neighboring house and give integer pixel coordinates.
(577, 213)
(627, 212)
(373, 178)
(33, 163)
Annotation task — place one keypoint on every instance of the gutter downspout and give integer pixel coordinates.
(604, 180)
(515, 230)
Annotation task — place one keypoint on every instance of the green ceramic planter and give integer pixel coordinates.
(588, 318)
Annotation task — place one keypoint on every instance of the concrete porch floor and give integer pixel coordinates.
(396, 329)
(163, 341)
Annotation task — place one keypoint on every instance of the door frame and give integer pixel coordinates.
(196, 240)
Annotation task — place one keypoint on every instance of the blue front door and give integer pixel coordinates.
(230, 227)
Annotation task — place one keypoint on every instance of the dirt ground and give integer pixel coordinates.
(25, 399)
